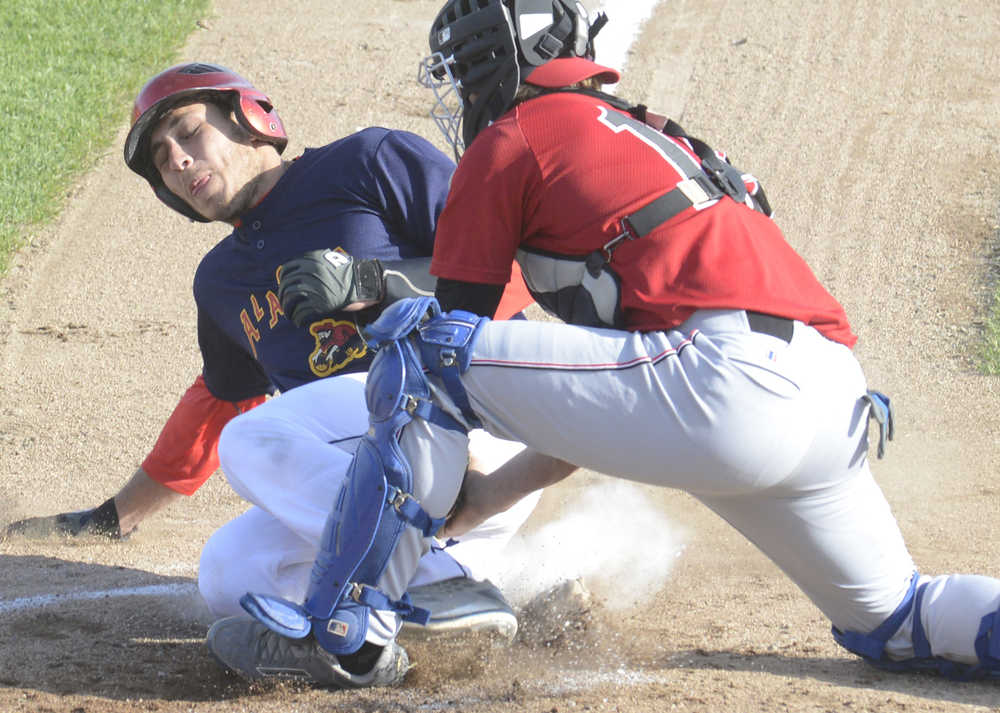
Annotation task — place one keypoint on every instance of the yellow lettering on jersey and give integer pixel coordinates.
(258, 313)
(275, 307)
(253, 336)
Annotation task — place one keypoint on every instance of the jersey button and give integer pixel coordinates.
(256, 225)
(260, 244)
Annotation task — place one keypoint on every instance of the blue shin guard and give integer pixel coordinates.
(871, 646)
(374, 505)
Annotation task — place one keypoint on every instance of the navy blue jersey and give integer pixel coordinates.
(376, 194)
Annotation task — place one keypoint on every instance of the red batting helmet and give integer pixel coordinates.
(188, 81)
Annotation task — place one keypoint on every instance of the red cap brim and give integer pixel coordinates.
(566, 71)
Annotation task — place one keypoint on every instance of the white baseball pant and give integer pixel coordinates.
(288, 458)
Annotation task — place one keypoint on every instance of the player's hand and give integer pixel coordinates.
(323, 282)
(101, 521)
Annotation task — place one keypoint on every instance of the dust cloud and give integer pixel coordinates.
(610, 535)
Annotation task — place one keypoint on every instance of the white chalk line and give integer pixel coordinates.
(40, 601)
(570, 683)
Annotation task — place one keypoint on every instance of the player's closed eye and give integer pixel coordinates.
(161, 154)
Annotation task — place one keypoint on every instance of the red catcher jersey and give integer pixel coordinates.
(557, 174)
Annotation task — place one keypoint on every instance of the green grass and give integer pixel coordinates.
(69, 70)
(991, 339)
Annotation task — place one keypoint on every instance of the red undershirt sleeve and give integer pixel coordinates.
(185, 454)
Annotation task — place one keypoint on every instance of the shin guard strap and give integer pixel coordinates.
(376, 599)
(411, 511)
(451, 378)
(421, 408)
(921, 645)
(988, 643)
(446, 343)
(871, 646)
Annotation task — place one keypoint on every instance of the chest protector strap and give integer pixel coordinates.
(725, 179)
(587, 291)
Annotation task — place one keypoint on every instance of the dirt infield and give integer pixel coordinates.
(874, 127)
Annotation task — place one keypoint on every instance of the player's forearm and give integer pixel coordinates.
(139, 498)
(525, 473)
(483, 496)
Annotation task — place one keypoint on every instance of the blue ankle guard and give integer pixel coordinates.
(871, 647)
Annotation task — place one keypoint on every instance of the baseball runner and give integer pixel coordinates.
(699, 352)
(210, 145)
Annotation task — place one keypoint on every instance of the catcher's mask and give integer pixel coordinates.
(190, 82)
(483, 50)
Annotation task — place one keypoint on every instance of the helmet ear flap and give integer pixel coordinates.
(548, 29)
(583, 42)
(531, 22)
(256, 114)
